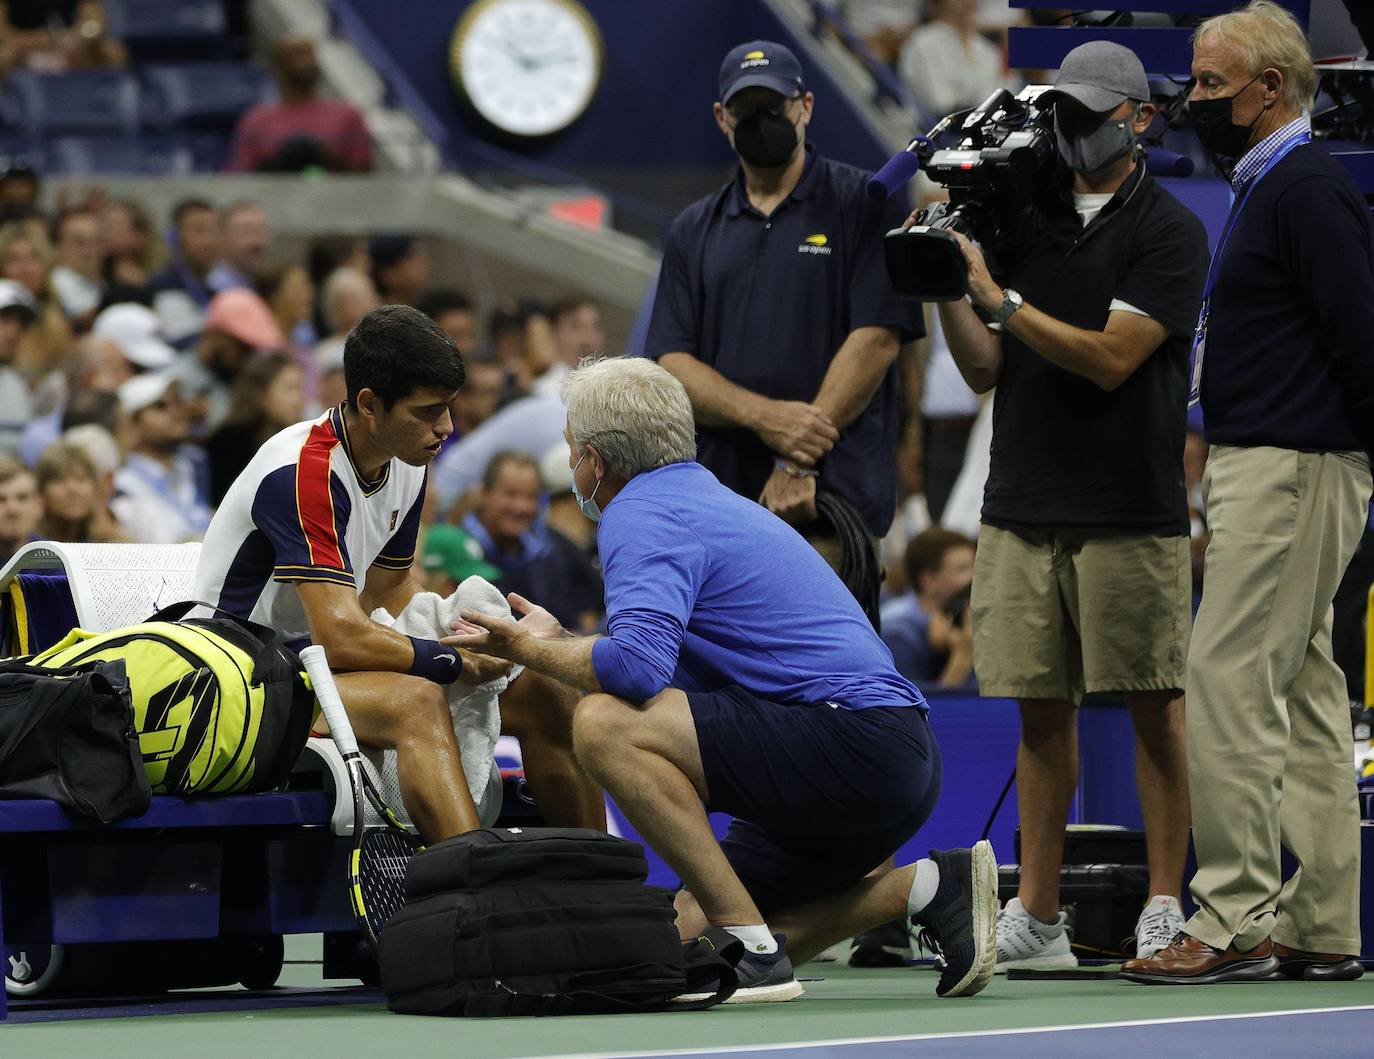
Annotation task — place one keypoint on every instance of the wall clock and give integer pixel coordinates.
(528, 68)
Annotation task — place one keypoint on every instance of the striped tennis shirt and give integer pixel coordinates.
(301, 512)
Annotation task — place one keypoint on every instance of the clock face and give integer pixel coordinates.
(529, 67)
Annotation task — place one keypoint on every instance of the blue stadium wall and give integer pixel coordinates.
(649, 130)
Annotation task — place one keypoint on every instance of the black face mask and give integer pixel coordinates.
(1215, 130)
(765, 139)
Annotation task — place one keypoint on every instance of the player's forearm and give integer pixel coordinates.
(393, 598)
(567, 659)
(365, 646)
(856, 373)
(716, 401)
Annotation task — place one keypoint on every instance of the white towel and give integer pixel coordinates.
(474, 707)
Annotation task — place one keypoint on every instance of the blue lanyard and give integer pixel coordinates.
(1296, 140)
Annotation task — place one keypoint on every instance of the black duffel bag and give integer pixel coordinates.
(543, 921)
(67, 733)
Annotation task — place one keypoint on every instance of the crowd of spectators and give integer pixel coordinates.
(139, 375)
(950, 54)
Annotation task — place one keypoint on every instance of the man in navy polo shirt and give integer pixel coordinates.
(775, 311)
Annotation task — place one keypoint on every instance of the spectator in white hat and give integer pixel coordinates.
(17, 313)
(137, 331)
(162, 491)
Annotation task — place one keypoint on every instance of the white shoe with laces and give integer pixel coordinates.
(1025, 943)
(1158, 925)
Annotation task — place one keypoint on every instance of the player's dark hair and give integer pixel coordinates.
(396, 350)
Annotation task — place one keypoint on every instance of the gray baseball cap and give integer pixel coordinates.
(1100, 75)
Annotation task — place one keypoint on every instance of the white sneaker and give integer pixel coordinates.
(1023, 942)
(1158, 925)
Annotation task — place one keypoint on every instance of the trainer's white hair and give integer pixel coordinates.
(1269, 36)
(635, 413)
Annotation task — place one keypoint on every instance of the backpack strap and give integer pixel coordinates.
(177, 611)
(710, 960)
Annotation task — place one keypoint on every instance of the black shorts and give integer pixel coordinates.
(820, 795)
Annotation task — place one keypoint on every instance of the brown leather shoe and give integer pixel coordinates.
(1191, 962)
(1316, 966)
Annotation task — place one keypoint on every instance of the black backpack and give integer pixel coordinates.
(67, 733)
(543, 921)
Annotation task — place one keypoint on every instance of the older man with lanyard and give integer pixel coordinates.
(1285, 372)
(775, 312)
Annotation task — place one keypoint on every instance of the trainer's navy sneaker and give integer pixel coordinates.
(764, 978)
(961, 920)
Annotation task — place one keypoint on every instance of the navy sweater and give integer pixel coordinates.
(1290, 341)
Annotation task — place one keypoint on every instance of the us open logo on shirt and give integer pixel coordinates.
(815, 244)
(394, 513)
(753, 58)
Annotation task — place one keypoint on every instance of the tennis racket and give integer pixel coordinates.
(377, 865)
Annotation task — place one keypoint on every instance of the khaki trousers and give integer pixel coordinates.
(1269, 742)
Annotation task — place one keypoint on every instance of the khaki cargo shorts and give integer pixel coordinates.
(1059, 613)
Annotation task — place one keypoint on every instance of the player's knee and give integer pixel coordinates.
(601, 723)
(421, 708)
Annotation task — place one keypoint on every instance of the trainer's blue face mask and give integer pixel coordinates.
(587, 504)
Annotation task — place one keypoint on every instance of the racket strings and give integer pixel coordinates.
(382, 864)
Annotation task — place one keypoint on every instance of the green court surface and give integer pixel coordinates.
(845, 1005)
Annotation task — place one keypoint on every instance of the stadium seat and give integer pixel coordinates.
(200, 95)
(82, 101)
(210, 150)
(140, 155)
(174, 28)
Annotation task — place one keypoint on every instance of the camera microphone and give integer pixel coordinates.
(1162, 163)
(896, 171)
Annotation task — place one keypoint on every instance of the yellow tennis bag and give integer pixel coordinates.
(220, 704)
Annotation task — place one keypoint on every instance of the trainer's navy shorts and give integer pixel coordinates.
(820, 795)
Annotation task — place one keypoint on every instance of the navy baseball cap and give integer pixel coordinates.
(760, 64)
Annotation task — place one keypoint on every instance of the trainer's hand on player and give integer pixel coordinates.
(480, 668)
(502, 637)
(485, 634)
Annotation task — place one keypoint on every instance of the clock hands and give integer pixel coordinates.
(528, 62)
(550, 60)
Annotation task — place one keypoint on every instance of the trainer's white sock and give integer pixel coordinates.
(756, 937)
(924, 887)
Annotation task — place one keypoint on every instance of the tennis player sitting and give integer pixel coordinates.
(739, 675)
(320, 529)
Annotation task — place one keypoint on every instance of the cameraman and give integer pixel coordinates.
(1081, 581)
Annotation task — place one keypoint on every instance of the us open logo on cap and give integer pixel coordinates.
(753, 58)
(817, 244)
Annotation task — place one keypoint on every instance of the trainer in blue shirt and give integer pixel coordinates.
(739, 675)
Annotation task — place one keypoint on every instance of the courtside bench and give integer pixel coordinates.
(245, 868)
